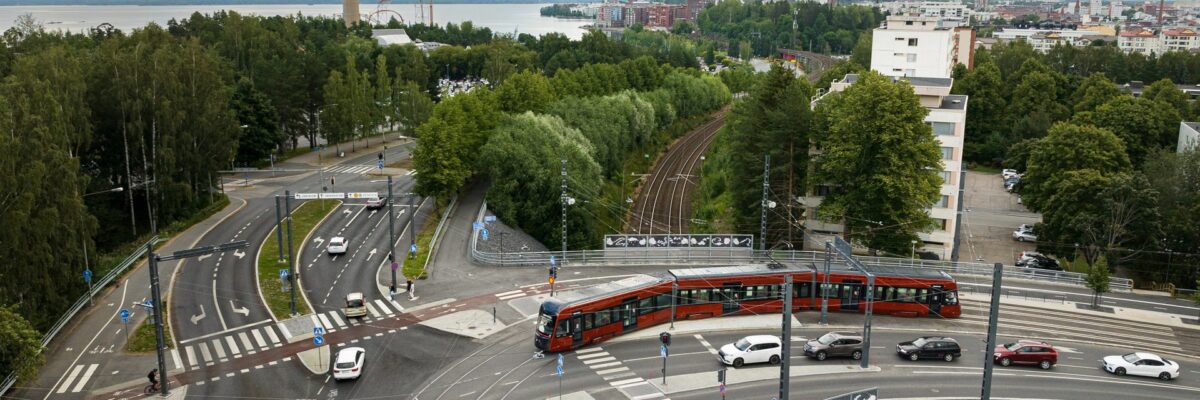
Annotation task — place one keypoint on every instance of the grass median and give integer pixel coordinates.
(414, 267)
(142, 339)
(304, 220)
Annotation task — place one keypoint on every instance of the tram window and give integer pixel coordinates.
(587, 321)
(951, 297)
(603, 318)
(700, 295)
(773, 292)
(685, 297)
(887, 293)
(663, 301)
(803, 289)
(830, 289)
(627, 316)
(750, 293)
(564, 328)
(646, 306)
(920, 296)
(879, 292)
(902, 295)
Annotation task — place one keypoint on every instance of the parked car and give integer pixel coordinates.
(1010, 184)
(1024, 236)
(751, 349)
(1026, 255)
(349, 363)
(1029, 352)
(835, 344)
(1008, 173)
(375, 204)
(930, 347)
(1142, 364)
(1041, 262)
(337, 245)
(355, 305)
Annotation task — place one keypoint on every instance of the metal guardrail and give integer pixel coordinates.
(80, 304)
(726, 256)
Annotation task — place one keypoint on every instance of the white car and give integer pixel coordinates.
(751, 349)
(1008, 173)
(337, 245)
(349, 363)
(1142, 364)
(1024, 235)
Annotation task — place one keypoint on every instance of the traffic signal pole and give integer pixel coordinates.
(392, 230)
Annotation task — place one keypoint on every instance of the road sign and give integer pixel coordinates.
(551, 260)
(318, 330)
(484, 233)
(476, 225)
(318, 340)
(306, 196)
(412, 248)
(283, 273)
(147, 303)
(124, 316)
(87, 276)
(395, 266)
(333, 196)
(379, 164)
(489, 218)
(559, 368)
(662, 350)
(363, 195)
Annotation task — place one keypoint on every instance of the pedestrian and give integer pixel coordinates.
(392, 292)
(410, 289)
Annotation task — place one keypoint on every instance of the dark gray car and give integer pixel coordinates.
(835, 344)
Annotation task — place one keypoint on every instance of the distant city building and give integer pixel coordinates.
(1138, 40)
(1179, 39)
(613, 14)
(1044, 39)
(1189, 137)
(953, 13)
(916, 46)
(387, 37)
(1144, 40)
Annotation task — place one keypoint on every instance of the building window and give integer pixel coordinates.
(942, 224)
(947, 153)
(945, 200)
(912, 57)
(943, 128)
(912, 42)
(945, 177)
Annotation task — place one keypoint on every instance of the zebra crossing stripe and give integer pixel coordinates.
(70, 378)
(325, 322)
(259, 339)
(334, 315)
(85, 378)
(245, 341)
(191, 356)
(217, 347)
(204, 352)
(271, 334)
(233, 349)
(383, 307)
(374, 313)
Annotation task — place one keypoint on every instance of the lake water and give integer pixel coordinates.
(522, 18)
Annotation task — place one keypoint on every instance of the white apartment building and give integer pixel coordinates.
(948, 118)
(915, 46)
(1044, 39)
(1189, 137)
(1139, 40)
(1179, 39)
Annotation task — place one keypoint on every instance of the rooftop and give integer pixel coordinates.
(631, 283)
(1137, 32)
(748, 269)
(913, 80)
(1179, 32)
(954, 102)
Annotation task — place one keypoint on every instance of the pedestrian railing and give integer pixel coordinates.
(79, 305)
(703, 256)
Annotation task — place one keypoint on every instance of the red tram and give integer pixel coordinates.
(598, 313)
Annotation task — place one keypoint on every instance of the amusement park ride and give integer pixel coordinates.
(383, 13)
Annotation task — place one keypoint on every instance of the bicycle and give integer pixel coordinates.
(150, 389)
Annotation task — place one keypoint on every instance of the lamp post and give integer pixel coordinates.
(87, 265)
(913, 256)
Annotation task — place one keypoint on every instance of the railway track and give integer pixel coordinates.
(663, 205)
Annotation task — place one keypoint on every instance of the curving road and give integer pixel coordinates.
(663, 204)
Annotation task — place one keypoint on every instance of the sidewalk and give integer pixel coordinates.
(74, 342)
(328, 154)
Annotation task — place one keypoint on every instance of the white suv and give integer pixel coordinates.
(349, 363)
(337, 245)
(751, 349)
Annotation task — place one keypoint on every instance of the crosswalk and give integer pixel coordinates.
(377, 309)
(351, 169)
(618, 375)
(77, 379)
(234, 345)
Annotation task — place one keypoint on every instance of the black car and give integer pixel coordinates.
(1040, 262)
(930, 347)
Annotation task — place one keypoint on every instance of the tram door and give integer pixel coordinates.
(936, 295)
(852, 291)
(731, 295)
(629, 314)
(577, 329)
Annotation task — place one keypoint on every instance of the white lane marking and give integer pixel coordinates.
(606, 365)
(626, 381)
(175, 356)
(258, 338)
(70, 379)
(631, 384)
(370, 308)
(191, 355)
(271, 334)
(233, 349)
(705, 344)
(587, 356)
(325, 322)
(598, 360)
(217, 303)
(383, 307)
(649, 396)
(337, 319)
(316, 321)
(612, 370)
(518, 291)
(85, 378)
(200, 338)
(589, 350)
(245, 341)
(510, 296)
(124, 292)
(217, 347)
(205, 353)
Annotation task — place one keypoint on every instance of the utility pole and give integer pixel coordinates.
(412, 213)
(786, 351)
(762, 239)
(993, 315)
(391, 230)
(825, 283)
(279, 227)
(287, 203)
(564, 211)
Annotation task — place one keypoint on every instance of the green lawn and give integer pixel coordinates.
(414, 267)
(304, 220)
(143, 338)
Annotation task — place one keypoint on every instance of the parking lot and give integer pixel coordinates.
(990, 215)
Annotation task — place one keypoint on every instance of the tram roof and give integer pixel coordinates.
(631, 283)
(745, 269)
(893, 270)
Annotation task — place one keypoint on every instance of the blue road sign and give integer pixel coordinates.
(484, 232)
(318, 340)
(489, 218)
(663, 351)
(559, 368)
(87, 276)
(124, 316)
(560, 360)
(412, 248)
(318, 330)
(551, 260)
(283, 273)
(476, 225)
(379, 164)
(148, 304)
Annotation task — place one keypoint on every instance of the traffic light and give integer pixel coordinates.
(381, 156)
(553, 273)
(331, 181)
(665, 338)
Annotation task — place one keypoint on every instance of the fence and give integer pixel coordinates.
(725, 256)
(80, 304)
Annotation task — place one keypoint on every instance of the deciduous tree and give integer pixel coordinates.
(1069, 147)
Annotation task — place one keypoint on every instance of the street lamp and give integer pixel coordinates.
(87, 265)
(913, 256)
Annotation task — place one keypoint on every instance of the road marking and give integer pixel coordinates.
(612, 370)
(649, 396)
(372, 310)
(510, 296)
(70, 378)
(271, 334)
(245, 341)
(589, 350)
(325, 322)
(587, 356)
(334, 315)
(191, 355)
(262, 344)
(631, 384)
(599, 360)
(705, 344)
(175, 356)
(85, 378)
(623, 375)
(233, 349)
(199, 338)
(205, 353)
(220, 351)
(518, 291)
(381, 305)
(627, 381)
(606, 365)
(217, 303)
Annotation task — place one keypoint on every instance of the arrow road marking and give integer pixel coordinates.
(369, 254)
(346, 212)
(244, 311)
(196, 318)
(239, 254)
(318, 241)
(201, 258)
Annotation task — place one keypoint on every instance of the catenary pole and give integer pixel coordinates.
(762, 239)
(391, 231)
(993, 315)
(287, 203)
(786, 351)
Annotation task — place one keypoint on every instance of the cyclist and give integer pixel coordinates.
(153, 377)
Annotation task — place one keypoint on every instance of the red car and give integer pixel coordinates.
(1030, 352)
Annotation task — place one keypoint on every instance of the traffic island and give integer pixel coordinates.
(1083, 306)
(734, 376)
(305, 218)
